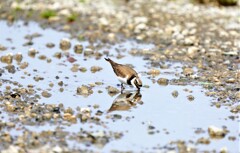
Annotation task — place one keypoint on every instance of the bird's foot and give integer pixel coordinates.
(122, 88)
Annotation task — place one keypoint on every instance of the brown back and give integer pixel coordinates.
(121, 70)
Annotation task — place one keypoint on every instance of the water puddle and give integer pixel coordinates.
(146, 121)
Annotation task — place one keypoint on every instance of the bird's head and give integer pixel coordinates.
(136, 82)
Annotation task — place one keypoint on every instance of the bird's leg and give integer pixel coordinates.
(122, 87)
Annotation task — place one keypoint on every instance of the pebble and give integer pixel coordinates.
(237, 95)
(153, 72)
(69, 117)
(88, 52)
(190, 97)
(58, 55)
(163, 81)
(84, 90)
(192, 52)
(8, 59)
(2, 48)
(203, 141)
(32, 52)
(75, 68)
(23, 65)
(96, 69)
(65, 44)
(42, 57)
(46, 94)
(230, 80)
(71, 59)
(188, 71)
(175, 93)
(112, 90)
(78, 49)
(83, 69)
(50, 45)
(18, 57)
(215, 132)
(224, 150)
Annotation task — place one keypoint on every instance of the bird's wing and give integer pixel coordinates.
(123, 71)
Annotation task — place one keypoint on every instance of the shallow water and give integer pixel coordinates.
(173, 118)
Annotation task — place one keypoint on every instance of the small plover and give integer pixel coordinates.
(126, 75)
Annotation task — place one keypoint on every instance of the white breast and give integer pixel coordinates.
(122, 80)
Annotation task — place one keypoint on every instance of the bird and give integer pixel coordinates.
(125, 101)
(126, 75)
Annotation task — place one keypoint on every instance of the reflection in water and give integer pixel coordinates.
(125, 100)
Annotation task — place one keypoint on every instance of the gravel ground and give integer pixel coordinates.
(204, 37)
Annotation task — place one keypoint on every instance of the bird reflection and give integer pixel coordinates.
(125, 100)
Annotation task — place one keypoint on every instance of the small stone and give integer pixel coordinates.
(237, 95)
(61, 89)
(190, 97)
(98, 83)
(69, 117)
(99, 113)
(111, 37)
(56, 109)
(2, 48)
(83, 69)
(175, 93)
(88, 52)
(117, 116)
(192, 52)
(112, 90)
(49, 60)
(224, 150)
(38, 78)
(23, 65)
(96, 69)
(58, 55)
(189, 41)
(65, 44)
(75, 68)
(188, 71)
(78, 49)
(7, 58)
(203, 141)
(60, 83)
(46, 94)
(42, 57)
(230, 80)
(85, 114)
(15, 95)
(11, 124)
(18, 57)
(95, 106)
(71, 59)
(69, 110)
(84, 90)
(47, 116)
(32, 52)
(153, 72)
(50, 45)
(146, 86)
(216, 132)
(163, 81)
(150, 127)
